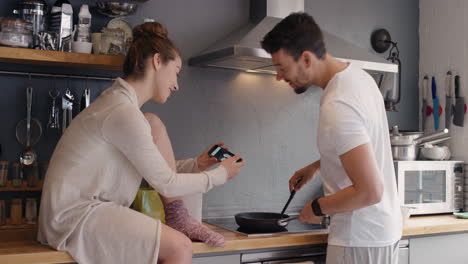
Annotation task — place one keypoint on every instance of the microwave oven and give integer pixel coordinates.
(430, 187)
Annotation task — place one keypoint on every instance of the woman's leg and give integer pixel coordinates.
(174, 241)
(118, 234)
(162, 141)
(177, 215)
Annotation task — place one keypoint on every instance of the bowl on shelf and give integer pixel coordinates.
(116, 9)
(435, 152)
(82, 47)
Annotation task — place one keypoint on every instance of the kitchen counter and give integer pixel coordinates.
(29, 252)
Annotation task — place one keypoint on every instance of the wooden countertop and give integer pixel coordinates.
(432, 225)
(31, 252)
(236, 242)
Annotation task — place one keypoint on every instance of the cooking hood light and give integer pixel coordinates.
(241, 49)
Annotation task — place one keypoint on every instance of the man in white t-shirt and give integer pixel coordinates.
(353, 140)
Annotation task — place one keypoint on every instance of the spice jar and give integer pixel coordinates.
(43, 166)
(112, 41)
(31, 210)
(2, 212)
(16, 175)
(32, 175)
(3, 173)
(16, 211)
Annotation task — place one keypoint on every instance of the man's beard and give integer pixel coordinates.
(300, 90)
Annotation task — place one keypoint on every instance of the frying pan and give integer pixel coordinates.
(266, 222)
(263, 222)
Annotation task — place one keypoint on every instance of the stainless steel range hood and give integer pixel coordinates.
(241, 49)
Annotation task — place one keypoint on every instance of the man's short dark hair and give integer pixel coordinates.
(296, 33)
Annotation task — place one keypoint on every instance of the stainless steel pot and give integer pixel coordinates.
(409, 152)
(409, 149)
(404, 138)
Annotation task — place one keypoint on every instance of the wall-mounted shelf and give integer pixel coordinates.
(21, 226)
(61, 59)
(24, 187)
(20, 189)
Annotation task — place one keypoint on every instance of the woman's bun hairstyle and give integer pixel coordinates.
(150, 30)
(148, 39)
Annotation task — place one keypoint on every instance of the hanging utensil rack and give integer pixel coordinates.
(59, 75)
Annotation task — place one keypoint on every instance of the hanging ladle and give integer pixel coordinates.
(28, 155)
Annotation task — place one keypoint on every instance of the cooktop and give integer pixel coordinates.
(294, 226)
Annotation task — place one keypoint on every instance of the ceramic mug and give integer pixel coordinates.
(96, 40)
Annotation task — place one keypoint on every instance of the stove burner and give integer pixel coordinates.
(293, 227)
(248, 231)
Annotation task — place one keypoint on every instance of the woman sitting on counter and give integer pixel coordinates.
(100, 161)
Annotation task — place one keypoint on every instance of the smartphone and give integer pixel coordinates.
(221, 153)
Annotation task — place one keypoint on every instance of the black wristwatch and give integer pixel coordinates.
(316, 207)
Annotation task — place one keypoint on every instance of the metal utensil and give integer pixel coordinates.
(403, 138)
(285, 221)
(448, 99)
(54, 111)
(67, 107)
(85, 99)
(428, 138)
(460, 107)
(28, 130)
(435, 141)
(28, 155)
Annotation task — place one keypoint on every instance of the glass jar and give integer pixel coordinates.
(16, 211)
(3, 173)
(43, 166)
(2, 212)
(16, 175)
(15, 32)
(31, 174)
(34, 12)
(112, 41)
(31, 210)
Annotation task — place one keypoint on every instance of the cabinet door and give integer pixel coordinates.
(450, 249)
(403, 256)
(227, 259)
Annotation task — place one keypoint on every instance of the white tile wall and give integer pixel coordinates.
(443, 33)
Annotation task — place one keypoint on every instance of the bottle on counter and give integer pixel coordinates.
(83, 33)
